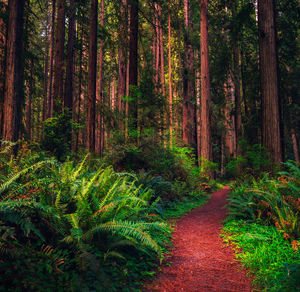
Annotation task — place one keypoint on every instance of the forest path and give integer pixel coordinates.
(199, 260)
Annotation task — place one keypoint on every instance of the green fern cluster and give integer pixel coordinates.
(89, 213)
(274, 200)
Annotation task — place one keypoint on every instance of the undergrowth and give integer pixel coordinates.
(80, 225)
(266, 253)
(264, 221)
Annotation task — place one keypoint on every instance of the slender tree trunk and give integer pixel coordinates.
(170, 81)
(198, 113)
(295, 145)
(3, 32)
(68, 100)
(122, 56)
(92, 74)
(269, 80)
(51, 69)
(58, 89)
(79, 88)
(237, 84)
(46, 71)
(99, 116)
(133, 64)
(189, 118)
(206, 149)
(230, 135)
(13, 95)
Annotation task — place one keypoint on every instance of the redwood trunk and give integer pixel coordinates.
(14, 68)
(122, 56)
(59, 58)
(269, 80)
(170, 80)
(206, 150)
(3, 30)
(51, 69)
(92, 74)
(99, 92)
(133, 64)
(189, 118)
(68, 100)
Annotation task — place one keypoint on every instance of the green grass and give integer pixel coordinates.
(268, 256)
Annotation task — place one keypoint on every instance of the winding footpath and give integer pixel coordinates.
(198, 260)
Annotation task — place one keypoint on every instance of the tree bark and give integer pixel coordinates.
(58, 89)
(92, 74)
(3, 32)
(13, 95)
(170, 81)
(123, 47)
(99, 92)
(271, 137)
(133, 64)
(46, 71)
(189, 118)
(206, 149)
(51, 68)
(68, 100)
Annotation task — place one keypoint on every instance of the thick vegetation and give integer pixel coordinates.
(81, 225)
(264, 222)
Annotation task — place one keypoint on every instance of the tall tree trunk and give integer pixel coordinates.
(123, 47)
(28, 112)
(269, 80)
(58, 89)
(99, 92)
(3, 31)
(68, 100)
(230, 135)
(92, 74)
(51, 68)
(133, 64)
(170, 81)
(237, 84)
(46, 70)
(198, 113)
(206, 149)
(76, 146)
(189, 118)
(14, 75)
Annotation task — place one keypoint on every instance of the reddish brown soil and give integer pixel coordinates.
(199, 260)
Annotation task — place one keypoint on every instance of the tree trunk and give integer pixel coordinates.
(14, 76)
(58, 89)
(3, 31)
(206, 149)
(122, 56)
(51, 69)
(170, 81)
(46, 71)
(133, 64)
(68, 100)
(99, 92)
(230, 135)
(189, 118)
(269, 80)
(92, 74)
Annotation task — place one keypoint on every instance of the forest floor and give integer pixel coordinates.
(199, 259)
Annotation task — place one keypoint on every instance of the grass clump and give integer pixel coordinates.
(266, 253)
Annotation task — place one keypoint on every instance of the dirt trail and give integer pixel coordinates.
(199, 260)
